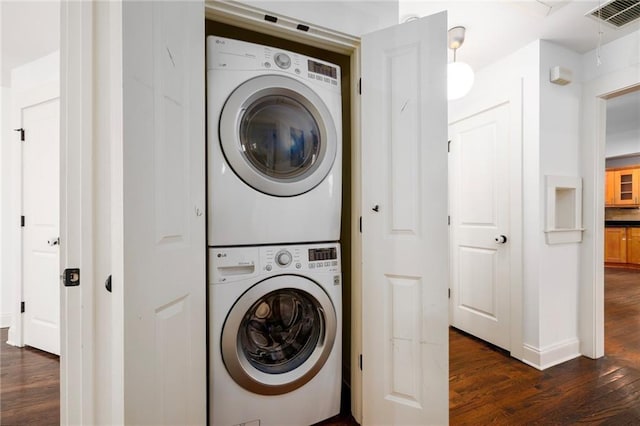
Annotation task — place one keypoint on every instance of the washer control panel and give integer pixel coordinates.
(239, 263)
(319, 257)
(236, 55)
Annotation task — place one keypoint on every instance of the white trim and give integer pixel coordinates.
(549, 356)
(76, 223)
(592, 162)
(252, 18)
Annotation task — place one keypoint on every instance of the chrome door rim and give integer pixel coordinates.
(235, 360)
(231, 116)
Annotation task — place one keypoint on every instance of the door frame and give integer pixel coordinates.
(592, 161)
(20, 100)
(77, 308)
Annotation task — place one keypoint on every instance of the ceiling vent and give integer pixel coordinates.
(617, 13)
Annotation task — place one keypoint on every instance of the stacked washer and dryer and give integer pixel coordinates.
(274, 200)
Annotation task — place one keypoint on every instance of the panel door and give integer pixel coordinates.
(164, 281)
(615, 245)
(40, 207)
(479, 198)
(404, 224)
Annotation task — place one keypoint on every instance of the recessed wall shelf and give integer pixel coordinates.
(564, 210)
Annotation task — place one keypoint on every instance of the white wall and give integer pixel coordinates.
(559, 155)
(26, 77)
(6, 291)
(350, 17)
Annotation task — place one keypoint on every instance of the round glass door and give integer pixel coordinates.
(278, 136)
(278, 335)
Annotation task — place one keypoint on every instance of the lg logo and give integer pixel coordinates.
(222, 254)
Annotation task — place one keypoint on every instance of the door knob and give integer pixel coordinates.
(501, 239)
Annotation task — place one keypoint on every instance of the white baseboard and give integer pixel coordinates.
(5, 320)
(551, 355)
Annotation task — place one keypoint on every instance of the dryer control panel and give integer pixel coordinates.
(236, 55)
(239, 263)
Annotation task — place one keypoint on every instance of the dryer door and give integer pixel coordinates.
(278, 334)
(278, 135)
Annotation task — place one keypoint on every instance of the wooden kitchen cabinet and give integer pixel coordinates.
(627, 187)
(633, 245)
(610, 188)
(615, 245)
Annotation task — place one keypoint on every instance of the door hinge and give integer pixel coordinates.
(71, 277)
(360, 361)
(360, 224)
(448, 220)
(22, 307)
(22, 221)
(21, 130)
(359, 86)
(449, 293)
(448, 146)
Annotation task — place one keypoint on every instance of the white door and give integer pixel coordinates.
(40, 209)
(480, 237)
(405, 365)
(163, 287)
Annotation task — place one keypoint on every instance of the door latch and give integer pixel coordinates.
(71, 277)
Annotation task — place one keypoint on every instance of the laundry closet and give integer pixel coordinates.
(271, 221)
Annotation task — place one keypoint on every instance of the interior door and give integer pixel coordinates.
(404, 224)
(40, 208)
(479, 176)
(164, 282)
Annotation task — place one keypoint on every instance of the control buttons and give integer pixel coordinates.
(297, 70)
(283, 258)
(298, 265)
(282, 60)
(268, 267)
(267, 65)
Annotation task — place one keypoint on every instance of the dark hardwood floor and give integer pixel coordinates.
(29, 385)
(486, 385)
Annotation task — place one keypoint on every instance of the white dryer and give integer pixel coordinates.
(275, 334)
(274, 145)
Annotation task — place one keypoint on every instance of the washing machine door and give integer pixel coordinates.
(278, 135)
(278, 334)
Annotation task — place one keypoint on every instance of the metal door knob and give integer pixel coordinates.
(501, 239)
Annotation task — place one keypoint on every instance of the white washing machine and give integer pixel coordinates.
(275, 334)
(274, 145)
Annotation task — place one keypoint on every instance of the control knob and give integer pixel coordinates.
(283, 258)
(282, 60)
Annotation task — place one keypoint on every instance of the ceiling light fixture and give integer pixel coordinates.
(459, 75)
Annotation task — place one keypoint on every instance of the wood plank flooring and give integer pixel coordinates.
(486, 385)
(29, 385)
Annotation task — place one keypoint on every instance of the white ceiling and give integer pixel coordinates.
(496, 28)
(28, 31)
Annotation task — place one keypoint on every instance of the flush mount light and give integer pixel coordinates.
(459, 74)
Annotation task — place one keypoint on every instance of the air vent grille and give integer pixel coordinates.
(618, 13)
